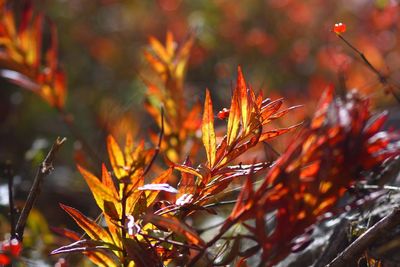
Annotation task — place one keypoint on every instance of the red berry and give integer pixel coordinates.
(4, 259)
(223, 114)
(339, 28)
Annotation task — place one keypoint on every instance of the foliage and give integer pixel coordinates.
(151, 197)
(22, 55)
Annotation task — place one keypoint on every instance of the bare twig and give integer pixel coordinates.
(356, 248)
(158, 147)
(382, 78)
(44, 169)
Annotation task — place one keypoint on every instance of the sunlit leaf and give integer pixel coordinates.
(243, 99)
(100, 191)
(92, 229)
(208, 132)
(233, 119)
(187, 183)
(116, 158)
(72, 235)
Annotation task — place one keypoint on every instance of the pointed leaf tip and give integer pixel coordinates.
(208, 132)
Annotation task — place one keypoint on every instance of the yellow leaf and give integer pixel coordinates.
(159, 50)
(100, 192)
(207, 128)
(92, 229)
(244, 99)
(233, 119)
(116, 158)
(101, 259)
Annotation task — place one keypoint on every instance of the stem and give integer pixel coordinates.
(44, 169)
(356, 248)
(222, 203)
(158, 147)
(382, 78)
(123, 222)
(366, 61)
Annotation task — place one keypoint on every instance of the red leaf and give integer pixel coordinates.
(92, 229)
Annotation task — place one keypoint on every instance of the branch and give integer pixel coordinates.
(382, 78)
(44, 169)
(158, 147)
(366, 239)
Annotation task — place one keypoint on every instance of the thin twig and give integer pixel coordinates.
(123, 221)
(382, 78)
(356, 248)
(158, 147)
(44, 169)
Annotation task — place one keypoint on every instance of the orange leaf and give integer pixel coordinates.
(107, 181)
(187, 184)
(244, 98)
(233, 119)
(100, 192)
(92, 229)
(170, 44)
(273, 133)
(209, 139)
(244, 199)
(269, 109)
(159, 49)
(72, 235)
(116, 157)
(322, 107)
(187, 169)
(101, 259)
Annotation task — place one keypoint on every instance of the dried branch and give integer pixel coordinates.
(44, 169)
(356, 248)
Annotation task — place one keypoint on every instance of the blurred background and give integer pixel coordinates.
(286, 49)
